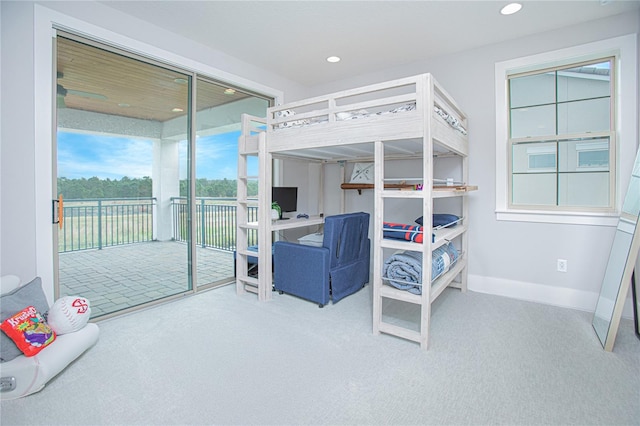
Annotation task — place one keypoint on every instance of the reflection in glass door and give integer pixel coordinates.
(219, 109)
(119, 124)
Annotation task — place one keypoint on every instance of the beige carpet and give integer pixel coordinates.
(217, 358)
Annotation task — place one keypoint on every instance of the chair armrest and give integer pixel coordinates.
(66, 348)
(302, 270)
(32, 373)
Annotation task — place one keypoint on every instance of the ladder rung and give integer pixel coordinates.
(405, 333)
(247, 253)
(251, 289)
(402, 295)
(248, 280)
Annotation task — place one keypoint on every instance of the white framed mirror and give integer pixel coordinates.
(622, 260)
(635, 299)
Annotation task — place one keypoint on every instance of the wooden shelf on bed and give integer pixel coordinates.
(361, 186)
(456, 188)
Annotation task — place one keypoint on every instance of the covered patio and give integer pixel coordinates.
(121, 277)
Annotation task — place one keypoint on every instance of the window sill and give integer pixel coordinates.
(567, 218)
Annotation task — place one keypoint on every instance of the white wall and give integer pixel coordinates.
(17, 230)
(514, 258)
(26, 243)
(511, 258)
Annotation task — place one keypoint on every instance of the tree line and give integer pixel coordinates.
(126, 187)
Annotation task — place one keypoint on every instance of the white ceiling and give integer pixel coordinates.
(293, 38)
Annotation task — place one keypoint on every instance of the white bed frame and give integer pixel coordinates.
(419, 133)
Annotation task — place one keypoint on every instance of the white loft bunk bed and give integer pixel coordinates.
(409, 118)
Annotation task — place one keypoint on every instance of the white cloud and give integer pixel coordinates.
(103, 157)
(82, 155)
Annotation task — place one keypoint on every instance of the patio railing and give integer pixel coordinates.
(215, 221)
(106, 222)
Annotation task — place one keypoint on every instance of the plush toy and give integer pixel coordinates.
(29, 331)
(69, 314)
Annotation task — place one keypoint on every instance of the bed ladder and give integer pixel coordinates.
(247, 218)
(381, 291)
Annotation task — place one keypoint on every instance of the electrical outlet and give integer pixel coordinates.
(562, 265)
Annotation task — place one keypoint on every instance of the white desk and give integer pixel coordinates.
(279, 225)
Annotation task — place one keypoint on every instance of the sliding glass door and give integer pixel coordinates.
(216, 173)
(149, 209)
(119, 120)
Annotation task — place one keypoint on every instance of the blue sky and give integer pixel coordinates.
(83, 155)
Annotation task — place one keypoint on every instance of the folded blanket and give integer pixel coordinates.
(403, 270)
(401, 231)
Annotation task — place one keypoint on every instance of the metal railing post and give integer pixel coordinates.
(99, 224)
(202, 224)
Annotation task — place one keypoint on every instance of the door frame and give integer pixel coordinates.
(46, 21)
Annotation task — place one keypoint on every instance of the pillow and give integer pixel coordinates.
(28, 330)
(69, 314)
(440, 219)
(443, 219)
(30, 294)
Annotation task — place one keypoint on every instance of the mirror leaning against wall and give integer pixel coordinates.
(622, 259)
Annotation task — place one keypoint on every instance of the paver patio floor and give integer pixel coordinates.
(120, 277)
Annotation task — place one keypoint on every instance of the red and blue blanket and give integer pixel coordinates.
(402, 231)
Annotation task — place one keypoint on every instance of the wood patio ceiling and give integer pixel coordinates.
(96, 80)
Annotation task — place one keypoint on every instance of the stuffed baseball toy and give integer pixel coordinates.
(69, 314)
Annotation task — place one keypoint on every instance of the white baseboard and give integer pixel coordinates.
(541, 293)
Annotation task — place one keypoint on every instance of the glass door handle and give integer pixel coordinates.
(58, 211)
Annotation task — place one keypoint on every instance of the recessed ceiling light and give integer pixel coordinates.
(333, 59)
(181, 80)
(123, 105)
(229, 91)
(511, 8)
(177, 110)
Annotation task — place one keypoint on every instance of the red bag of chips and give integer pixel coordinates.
(28, 330)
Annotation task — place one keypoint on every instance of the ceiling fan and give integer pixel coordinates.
(62, 92)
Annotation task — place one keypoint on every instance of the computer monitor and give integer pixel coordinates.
(286, 197)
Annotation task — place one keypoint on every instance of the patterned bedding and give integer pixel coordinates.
(401, 231)
(354, 115)
(414, 233)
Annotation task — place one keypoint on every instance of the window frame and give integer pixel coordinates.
(559, 138)
(623, 141)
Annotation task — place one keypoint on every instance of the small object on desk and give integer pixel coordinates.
(303, 215)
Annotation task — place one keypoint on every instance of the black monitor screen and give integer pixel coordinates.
(286, 197)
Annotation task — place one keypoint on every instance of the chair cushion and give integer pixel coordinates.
(30, 294)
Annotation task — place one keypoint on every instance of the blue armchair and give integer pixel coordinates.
(331, 272)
